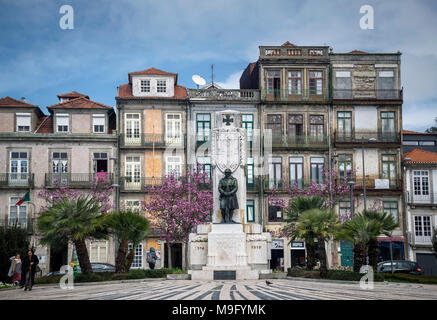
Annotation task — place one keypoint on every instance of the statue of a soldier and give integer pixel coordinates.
(228, 187)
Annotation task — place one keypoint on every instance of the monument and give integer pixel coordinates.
(229, 248)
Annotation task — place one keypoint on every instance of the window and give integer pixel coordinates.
(250, 209)
(345, 165)
(295, 126)
(133, 205)
(99, 251)
(316, 127)
(59, 167)
(316, 82)
(411, 143)
(205, 163)
(23, 122)
(18, 168)
(99, 123)
(275, 214)
(317, 165)
(296, 171)
(248, 125)
(137, 263)
(17, 214)
(388, 125)
(100, 163)
(294, 82)
(344, 208)
(274, 122)
(426, 143)
(343, 85)
(344, 123)
(275, 173)
(173, 166)
(391, 207)
(161, 86)
(250, 176)
(421, 185)
(62, 122)
(422, 229)
(132, 128)
(173, 127)
(133, 173)
(273, 82)
(386, 85)
(203, 126)
(145, 86)
(389, 168)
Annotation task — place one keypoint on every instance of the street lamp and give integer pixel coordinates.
(351, 185)
(364, 172)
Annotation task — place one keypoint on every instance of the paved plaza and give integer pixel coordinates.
(287, 289)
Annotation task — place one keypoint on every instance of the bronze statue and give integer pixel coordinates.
(228, 187)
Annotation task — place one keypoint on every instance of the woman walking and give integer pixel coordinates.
(15, 269)
(28, 269)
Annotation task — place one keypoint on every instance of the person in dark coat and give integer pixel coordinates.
(228, 187)
(151, 258)
(28, 269)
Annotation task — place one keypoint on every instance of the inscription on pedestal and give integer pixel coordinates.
(225, 275)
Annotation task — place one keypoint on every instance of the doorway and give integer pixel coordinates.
(176, 255)
(58, 256)
(297, 257)
(277, 261)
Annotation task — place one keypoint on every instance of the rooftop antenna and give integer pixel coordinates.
(198, 80)
(212, 75)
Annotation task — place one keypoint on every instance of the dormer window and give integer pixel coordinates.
(99, 123)
(161, 86)
(145, 85)
(23, 122)
(62, 122)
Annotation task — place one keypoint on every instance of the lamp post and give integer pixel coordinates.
(351, 185)
(364, 172)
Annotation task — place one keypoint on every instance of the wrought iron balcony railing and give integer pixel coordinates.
(282, 141)
(138, 183)
(19, 180)
(422, 199)
(76, 180)
(372, 94)
(303, 95)
(152, 140)
(224, 94)
(375, 182)
(367, 137)
(28, 224)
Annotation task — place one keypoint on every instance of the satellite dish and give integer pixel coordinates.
(198, 80)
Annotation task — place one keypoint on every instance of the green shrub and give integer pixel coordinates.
(332, 275)
(12, 240)
(410, 278)
(48, 280)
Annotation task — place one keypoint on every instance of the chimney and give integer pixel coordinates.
(23, 99)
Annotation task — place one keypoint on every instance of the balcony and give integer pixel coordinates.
(283, 185)
(287, 95)
(138, 183)
(378, 183)
(27, 224)
(76, 180)
(299, 142)
(358, 137)
(293, 52)
(366, 95)
(224, 94)
(429, 199)
(151, 140)
(254, 184)
(16, 180)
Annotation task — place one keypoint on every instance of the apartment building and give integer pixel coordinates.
(68, 146)
(151, 110)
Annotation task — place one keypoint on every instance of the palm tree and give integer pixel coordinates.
(317, 224)
(359, 230)
(76, 221)
(128, 227)
(297, 207)
(387, 225)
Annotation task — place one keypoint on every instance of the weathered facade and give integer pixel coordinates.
(68, 146)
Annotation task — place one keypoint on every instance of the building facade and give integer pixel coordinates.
(67, 147)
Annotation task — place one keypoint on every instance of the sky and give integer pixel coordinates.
(111, 38)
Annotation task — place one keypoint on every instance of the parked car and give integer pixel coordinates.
(97, 267)
(400, 266)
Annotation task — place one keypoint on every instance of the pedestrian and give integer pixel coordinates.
(15, 269)
(151, 258)
(28, 269)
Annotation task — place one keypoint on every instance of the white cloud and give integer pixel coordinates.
(232, 82)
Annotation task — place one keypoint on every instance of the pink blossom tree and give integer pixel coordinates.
(179, 205)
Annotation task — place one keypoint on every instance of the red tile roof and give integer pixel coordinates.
(80, 103)
(125, 91)
(420, 156)
(10, 102)
(72, 95)
(153, 71)
(414, 132)
(288, 44)
(358, 52)
(45, 125)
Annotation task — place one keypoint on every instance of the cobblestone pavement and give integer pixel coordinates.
(226, 290)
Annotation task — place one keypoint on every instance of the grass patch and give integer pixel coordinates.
(108, 276)
(6, 286)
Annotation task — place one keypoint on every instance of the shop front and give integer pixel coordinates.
(277, 260)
